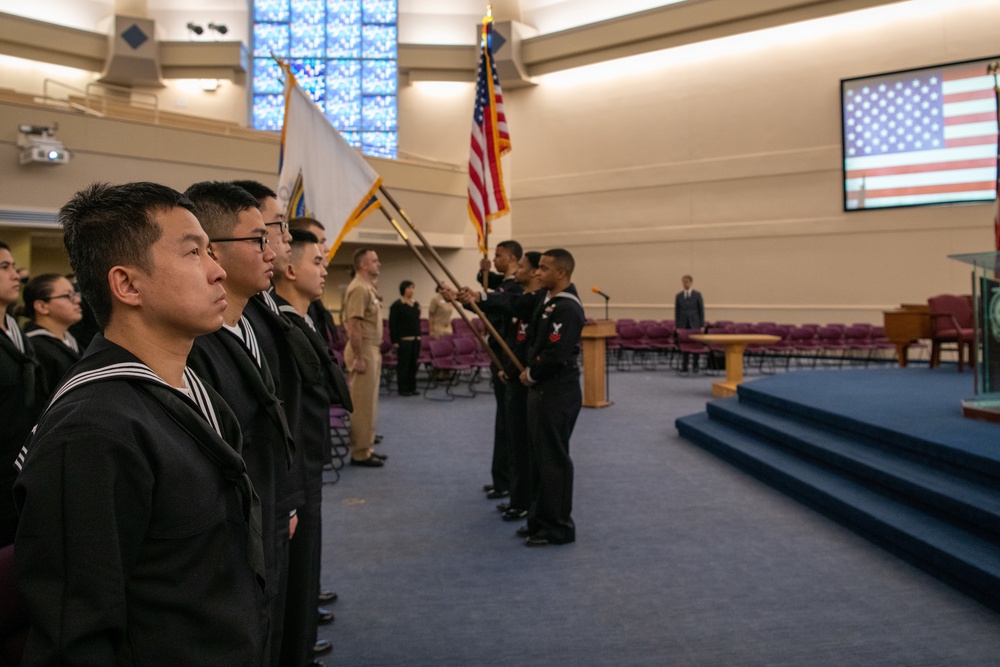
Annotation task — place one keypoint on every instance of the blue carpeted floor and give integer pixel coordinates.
(680, 558)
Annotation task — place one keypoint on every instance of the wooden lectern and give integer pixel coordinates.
(595, 363)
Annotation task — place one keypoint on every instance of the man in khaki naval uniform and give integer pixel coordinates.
(362, 317)
(440, 313)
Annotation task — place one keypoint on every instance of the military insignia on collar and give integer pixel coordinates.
(555, 336)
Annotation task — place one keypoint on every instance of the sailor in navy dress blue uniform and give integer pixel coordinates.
(554, 400)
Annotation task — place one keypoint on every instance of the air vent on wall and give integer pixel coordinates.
(377, 236)
(15, 218)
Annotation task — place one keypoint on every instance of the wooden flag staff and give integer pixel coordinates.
(437, 258)
(458, 306)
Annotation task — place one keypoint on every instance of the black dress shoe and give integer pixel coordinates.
(523, 531)
(316, 663)
(324, 616)
(322, 647)
(327, 596)
(378, 438)
(536, 541)
(503, 507)
(514, 514)
(495, 494)
(370, 462)
(487, 488)
(380, 457)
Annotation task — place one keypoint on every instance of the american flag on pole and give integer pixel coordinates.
(490, 140)
(922, 137)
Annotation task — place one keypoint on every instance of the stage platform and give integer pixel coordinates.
(885, 452)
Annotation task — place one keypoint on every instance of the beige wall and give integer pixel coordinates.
(722, 161)
(727, 165)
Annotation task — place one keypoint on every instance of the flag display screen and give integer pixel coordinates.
(919, 137)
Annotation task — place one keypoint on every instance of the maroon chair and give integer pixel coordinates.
(803, 341)
(661, 339)
(445, 366)
(389, 363)
(952, 323)
(633, 339)
(467, 352)
(831, 342)
(859, 343)
(884, 345)
(688, 346)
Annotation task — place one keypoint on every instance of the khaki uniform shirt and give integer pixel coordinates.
(363, 301)
(440, 313)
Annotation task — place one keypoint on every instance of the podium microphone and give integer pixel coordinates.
(607, 298)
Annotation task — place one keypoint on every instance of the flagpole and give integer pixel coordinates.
(486, 224)
(444, 267)
(458, 306)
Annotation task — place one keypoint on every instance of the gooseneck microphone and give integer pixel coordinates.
(607, 299)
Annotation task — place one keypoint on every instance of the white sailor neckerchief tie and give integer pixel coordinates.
(272, 305)
(248, 338)
(14, 333)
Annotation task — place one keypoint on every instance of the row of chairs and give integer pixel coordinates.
(445, 365)
(650, 344)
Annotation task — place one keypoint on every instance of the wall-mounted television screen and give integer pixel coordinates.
(920, 137)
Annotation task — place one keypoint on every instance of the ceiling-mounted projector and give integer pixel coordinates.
(39, 144)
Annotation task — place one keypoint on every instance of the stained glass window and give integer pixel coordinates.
(343, 54)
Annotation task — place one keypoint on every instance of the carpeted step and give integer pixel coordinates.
(969, 562)
(972, 504)
(885, 421)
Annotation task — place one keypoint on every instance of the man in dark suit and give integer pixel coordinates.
(689, 313)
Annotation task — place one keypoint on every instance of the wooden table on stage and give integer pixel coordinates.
(595, 363)
(735, 345)
(906, 326)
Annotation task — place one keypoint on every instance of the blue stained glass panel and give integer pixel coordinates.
(308, 11)
(270, 38)
(378, 41)
(378, 112)
(267, 76)
(270, 10)
(343, 54)
(308, 41)
(268, 112)
(343, 12)
(380, 144)
(343, 78)
(343, 41)
(352, 138)
(379, 77)
(380, 11)
(344, 115)
(311, 75)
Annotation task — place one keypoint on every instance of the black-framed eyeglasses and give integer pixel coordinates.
(69, 296)
(282, 225)
(259, 240)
